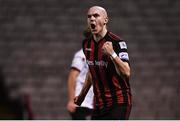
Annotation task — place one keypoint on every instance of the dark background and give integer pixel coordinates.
(38, 39)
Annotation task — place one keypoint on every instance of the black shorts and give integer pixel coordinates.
(115, 112)
(81, 113)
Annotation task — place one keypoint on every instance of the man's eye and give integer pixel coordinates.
(89, 16)
(96, 15)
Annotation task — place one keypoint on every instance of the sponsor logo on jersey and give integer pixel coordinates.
(123, 45)
(97, 63)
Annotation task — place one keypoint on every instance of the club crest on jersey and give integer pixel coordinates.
(88, 49)
(122, 45)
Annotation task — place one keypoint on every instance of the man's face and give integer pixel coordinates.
(96, 19)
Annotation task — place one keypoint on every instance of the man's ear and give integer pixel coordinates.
(106, 20)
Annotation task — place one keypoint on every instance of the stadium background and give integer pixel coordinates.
(39, 37)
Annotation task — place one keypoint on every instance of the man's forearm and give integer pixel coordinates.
(121, 67)
(72, 84)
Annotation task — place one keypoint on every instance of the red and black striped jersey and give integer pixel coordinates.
(109, 87)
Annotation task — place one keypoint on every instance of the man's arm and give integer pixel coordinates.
(88, 82)
(71, 89)
(122, 67)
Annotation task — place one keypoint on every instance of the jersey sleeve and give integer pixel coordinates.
(78, 62)
(120, 48)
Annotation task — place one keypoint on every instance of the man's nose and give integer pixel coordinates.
(92, 18)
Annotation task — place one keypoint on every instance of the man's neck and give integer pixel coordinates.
(100, 35)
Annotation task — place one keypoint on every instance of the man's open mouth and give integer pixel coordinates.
(93, 26)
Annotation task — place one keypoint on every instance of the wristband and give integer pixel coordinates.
(114, 55)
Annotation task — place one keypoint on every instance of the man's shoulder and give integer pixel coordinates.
(87, 39)
(114, 37)
(79, 53)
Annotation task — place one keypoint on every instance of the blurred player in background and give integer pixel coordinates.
(76, 79)
(13, 104)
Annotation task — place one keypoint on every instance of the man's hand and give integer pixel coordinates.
(71, 106)
(107, 48)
